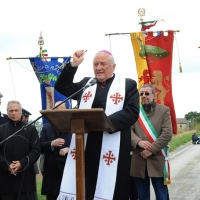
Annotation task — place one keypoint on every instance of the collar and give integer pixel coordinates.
(12, 123)
(108, 80)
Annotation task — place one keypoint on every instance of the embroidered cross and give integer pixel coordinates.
(109, 157)
(116, 98)
(102, 85)
(50, 99)
(86, 96)
(73, 153)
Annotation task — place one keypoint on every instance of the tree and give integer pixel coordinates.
(194, 119)
(191, 116)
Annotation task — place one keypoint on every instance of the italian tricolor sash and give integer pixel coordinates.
(152, 135)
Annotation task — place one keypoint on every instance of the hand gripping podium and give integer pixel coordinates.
(79, 121)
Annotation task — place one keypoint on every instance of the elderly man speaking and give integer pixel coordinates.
(119, 98)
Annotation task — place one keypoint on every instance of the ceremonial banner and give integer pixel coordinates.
(138, 41)
(157, 51)
(47, 73)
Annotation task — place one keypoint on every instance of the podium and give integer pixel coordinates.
(79, 121)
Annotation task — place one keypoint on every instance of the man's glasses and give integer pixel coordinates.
(146, 94)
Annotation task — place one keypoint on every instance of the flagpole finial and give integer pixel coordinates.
(41, 42)
(41, 39)
(141, 13)
(180, 68)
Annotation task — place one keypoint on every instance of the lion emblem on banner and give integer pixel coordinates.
(157, 81)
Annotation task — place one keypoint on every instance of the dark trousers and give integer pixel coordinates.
(16, 196)
(143, 187)
(51, 197)
(133, 189)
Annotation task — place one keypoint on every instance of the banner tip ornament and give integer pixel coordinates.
(141, 13)
(180, 68)
(41, 42)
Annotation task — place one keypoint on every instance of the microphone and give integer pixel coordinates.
(91, 83)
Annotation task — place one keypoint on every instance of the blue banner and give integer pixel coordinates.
(47, 73)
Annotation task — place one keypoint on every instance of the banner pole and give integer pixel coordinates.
(9, 58)
(108, 34)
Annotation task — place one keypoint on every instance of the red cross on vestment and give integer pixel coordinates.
(86, 96)
(109, 158)
(73, 153)
(116, 98)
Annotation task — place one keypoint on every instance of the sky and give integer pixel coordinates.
(70, 25)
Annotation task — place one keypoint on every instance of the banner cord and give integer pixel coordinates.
(33, 70)
(12, 80)
(180, 67)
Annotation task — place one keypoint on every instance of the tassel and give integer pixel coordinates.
(180, 68)
(167, 182)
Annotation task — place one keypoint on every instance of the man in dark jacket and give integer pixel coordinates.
(107, 155)
(54, 146)
(195, 139)
(3, 117)
(25, 118)
(19, 150)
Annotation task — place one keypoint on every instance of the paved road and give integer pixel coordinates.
(185, 173)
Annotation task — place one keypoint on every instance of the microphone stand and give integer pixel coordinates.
(26, 126)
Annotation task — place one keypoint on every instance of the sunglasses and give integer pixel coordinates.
(146, 94)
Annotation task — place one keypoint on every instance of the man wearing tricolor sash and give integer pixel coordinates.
(107, 155)
(150, 136)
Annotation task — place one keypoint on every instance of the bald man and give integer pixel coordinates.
(54, 146)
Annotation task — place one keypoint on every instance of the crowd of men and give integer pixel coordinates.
(142, 131)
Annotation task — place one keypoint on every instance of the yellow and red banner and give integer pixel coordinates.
(138, 40)
(156, 50)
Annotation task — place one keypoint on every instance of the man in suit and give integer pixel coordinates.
(19, 150)
(107, 155)
(25, 118)
(150, 136)
(54, 146)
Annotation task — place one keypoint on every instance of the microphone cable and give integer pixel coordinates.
(91, 83)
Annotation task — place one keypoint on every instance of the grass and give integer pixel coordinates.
(180, 139)
(39, 186)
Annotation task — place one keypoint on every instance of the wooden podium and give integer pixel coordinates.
(79, 121)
